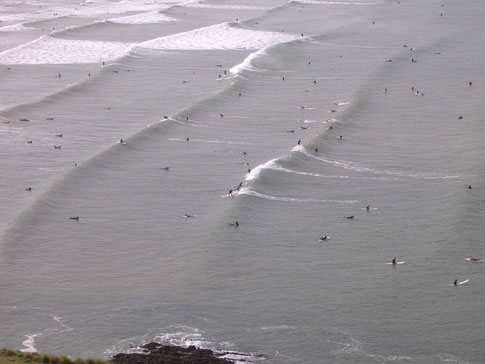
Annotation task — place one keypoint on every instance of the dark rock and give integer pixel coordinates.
(167, 354)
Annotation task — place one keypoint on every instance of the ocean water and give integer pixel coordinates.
(315, 109)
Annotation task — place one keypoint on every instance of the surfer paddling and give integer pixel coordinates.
(324, 238)
(74, 218)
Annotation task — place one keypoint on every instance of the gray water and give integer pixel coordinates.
(133, 269)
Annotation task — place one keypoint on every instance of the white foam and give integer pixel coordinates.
(88, 9)
(256, 171)
(349, 347)
(143, 18)
(356, 167)
(26, 16)
(271, 328)
(316, 2)
(249, 192)
(184, 336)
(119, 7)
(307, 121)
(64, 327)
(449, 358)
(29, 343)
(218, 36)
(247, 63)
(14, 28)
(220, 6)
(49, 50)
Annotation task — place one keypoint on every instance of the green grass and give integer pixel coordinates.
(17, 357)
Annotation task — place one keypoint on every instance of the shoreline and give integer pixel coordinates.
(153, 353)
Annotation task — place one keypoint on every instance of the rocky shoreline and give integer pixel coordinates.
(155, 353)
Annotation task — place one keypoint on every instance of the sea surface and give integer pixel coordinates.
(159, 124)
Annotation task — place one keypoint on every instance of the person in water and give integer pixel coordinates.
(455, 282)
(368, 208)
(394, 260)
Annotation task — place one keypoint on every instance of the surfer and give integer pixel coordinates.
(460, 117)
(470, 83)
(394, 260)
(455, 282)
(469, 187)
(221, 115)
(324, 238)
(316, 150)
(368, 208)
(299, 141)
(29, 141)
(74, 218)
(236, 224)
(29, 189)
(230, 193)
(166, 168)
(350, 217)
(57, 147)
(187, 216)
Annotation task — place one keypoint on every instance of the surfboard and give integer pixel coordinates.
(396, 263)
(474, 260)
(461, 283)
